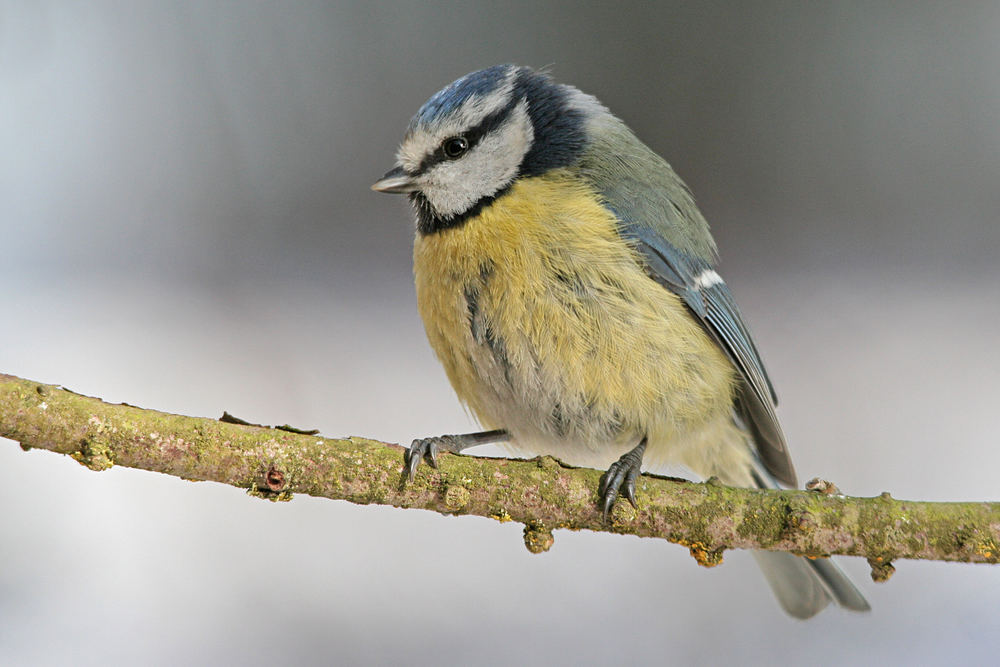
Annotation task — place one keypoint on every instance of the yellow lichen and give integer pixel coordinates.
(500, 514)
(882, 570)
(267, 494)
(456, 497)
(538, 539)
(95, 455)
(702, 555)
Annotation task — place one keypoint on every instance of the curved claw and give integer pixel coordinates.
(628, 488)
(621, 478)
(412, 460)
(609, 502)
(611, 481)
(431, 455)
(423, 448)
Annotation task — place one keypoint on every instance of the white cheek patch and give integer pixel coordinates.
(454, 187)
(419, 145)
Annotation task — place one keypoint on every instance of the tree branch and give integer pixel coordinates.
(543, 494)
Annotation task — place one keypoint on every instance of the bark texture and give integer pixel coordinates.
(543, 494)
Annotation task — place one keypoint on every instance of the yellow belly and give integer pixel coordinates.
(548, 327)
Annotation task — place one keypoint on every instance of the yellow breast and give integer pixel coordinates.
(547, 325)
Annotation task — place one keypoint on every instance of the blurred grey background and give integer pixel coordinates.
(186, 224)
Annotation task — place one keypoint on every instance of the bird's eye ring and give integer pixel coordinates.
(455, 147)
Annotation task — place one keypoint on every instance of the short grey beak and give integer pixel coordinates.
(395, 181)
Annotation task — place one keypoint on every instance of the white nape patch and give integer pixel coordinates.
(589, 105)
(425, 140)
(453, 187)
(707, 278)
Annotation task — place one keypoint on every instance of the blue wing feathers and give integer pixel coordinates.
(657, 214)
(715, 308)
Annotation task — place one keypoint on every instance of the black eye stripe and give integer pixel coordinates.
(473, 135)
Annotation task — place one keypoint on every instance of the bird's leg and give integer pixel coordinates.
(620, 478)
(428, 448)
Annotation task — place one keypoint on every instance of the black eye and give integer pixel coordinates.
(455, 147)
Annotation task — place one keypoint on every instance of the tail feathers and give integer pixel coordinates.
(838, 584)
(805, 587)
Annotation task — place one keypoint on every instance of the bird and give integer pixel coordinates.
(567, 282)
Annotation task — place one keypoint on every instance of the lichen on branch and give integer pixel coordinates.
(542, 493)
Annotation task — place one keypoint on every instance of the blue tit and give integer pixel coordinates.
(567, 283)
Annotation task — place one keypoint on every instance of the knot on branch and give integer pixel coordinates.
(822, 486)
(274, 479)
(882, 569)
(272, 485)
(538, 539)
(94, 455)
(703, 555)
(800, 520)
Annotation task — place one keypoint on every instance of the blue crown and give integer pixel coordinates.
(452, 96)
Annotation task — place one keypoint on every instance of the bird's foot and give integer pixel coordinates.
(429, 448)
(620, 478)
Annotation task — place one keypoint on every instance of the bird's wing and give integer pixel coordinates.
(708, 297)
